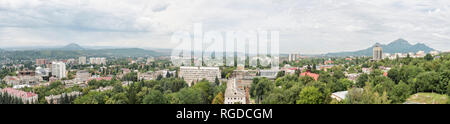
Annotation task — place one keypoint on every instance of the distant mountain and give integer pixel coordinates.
(72, 46)
(397, 46)
(57, 53)
(123, 52)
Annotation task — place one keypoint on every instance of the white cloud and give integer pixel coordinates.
(306, 26)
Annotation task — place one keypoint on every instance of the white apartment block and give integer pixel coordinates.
(82, 60)
(195, 74)
(294, 57)
(59, 70)
(97, 61)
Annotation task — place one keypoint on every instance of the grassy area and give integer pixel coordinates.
(428, 98)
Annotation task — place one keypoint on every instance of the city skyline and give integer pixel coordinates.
(306, 27)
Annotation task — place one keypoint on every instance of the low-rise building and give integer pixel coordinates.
(57, 99)
(26, 97)
(309, 74)
(22, 80)
(352, 77)
(339, 96)
(236, 94)
(271, 74)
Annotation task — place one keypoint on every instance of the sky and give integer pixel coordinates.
(305, 26)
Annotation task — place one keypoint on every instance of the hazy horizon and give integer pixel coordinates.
(306, 27)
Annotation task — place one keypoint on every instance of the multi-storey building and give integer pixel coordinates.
(194, 74)
(59, 69)
(26, 97)
(41, 61)
(236, 94)
(294, 57)
(57, 99)
(377, 52)
(97, 61)
(82, 60)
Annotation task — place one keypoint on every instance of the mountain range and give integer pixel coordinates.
(397, 46)
(75, 50)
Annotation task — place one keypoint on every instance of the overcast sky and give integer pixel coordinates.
(306, 26)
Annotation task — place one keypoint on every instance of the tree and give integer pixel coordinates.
(159, 77)
(365, 96)
(342, 85)
(219, 99)
(187, 96)
(207, 90)
(280, 74)
(263, 87)
(131, 93)
(427, 82)
(91, 98)
(310, 95)
(155, 97)
(394, 75)
(428, 57)
(400, 92)
(362, 79)
(338, 74)
(285, 95)
(216, 81)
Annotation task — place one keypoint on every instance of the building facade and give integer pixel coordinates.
(82, 60)
(294, 57)
(59, 70)
(235, 94)
(194, 74)
(377, 52)
(41, 61)
(26, 97)
(97, 61)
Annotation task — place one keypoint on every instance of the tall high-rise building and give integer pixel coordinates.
(377, 52)
(59, 69)
(294, 57)
(82, 60)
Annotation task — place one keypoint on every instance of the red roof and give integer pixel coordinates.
(18, 93)
(313, 75)
(385, 74)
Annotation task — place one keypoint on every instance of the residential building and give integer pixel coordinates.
(294, 57)
(41, 61)
(26, 97)
(82, 76)
(59, 70)
(377, 52)
(22, 80)
(26, 73)
(56, 99)
(271, 74)
(97, 61)
(235, 94)
(352, 77)
(194, 74)
(82, 60)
